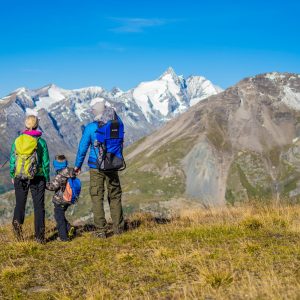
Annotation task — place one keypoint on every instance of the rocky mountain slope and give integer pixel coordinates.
(63, 113)
(240, 144)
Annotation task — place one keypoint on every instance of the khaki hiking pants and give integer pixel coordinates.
(114, 195)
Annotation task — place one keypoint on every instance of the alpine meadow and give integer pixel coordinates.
(149, 150)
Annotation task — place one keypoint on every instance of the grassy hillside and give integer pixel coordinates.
(247, 252)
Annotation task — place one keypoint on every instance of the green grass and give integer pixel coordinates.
(230, 253)
(248, 177)
(217, 136)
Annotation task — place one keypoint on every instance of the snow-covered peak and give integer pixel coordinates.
(169, 73)
(171, 94)
(163, 96)
(51, 88)
(22, 95)
(20, 91)
(198, 88)
(48, 95)
(115, 92)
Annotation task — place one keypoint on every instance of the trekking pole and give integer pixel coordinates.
(7, 160)
(4, 164)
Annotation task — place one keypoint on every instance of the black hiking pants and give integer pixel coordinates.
(62, 224)
(37, 188)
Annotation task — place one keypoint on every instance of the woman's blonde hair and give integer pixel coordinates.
(31, 122)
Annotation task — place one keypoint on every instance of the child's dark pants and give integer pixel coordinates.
(63, 226)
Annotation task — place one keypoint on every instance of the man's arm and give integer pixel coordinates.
(83, 147)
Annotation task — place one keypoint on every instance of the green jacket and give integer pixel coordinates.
(43, 158)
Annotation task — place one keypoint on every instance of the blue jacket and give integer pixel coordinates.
(86, 143)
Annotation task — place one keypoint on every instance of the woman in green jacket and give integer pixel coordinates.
(32, 173)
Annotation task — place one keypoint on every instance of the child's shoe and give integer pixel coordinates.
(72, 232)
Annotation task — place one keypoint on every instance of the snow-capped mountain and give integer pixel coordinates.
(170, 95)
(63, 113)
(162, 98)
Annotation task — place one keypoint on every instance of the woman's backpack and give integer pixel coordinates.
(109, 141)
(26, 165)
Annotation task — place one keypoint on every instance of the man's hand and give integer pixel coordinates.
(12, 181)
(77, 170)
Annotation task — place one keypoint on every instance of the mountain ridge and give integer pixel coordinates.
(64, 113)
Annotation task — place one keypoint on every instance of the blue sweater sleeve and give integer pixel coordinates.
(83, 147)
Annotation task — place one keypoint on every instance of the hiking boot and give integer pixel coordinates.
(100, 235)
(72, 232)
(17, 229)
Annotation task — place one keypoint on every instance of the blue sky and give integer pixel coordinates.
(110, 43)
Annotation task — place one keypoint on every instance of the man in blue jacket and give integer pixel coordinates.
(98, 178)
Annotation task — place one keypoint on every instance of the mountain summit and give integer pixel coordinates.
(169, 72)
(168, 96)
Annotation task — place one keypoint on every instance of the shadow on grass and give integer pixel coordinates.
(129, 225)
(137, 222)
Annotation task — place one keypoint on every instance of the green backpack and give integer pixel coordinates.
(26, 165)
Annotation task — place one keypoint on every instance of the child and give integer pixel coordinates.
(59, 183)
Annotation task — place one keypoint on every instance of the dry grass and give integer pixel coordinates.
(247, 252)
